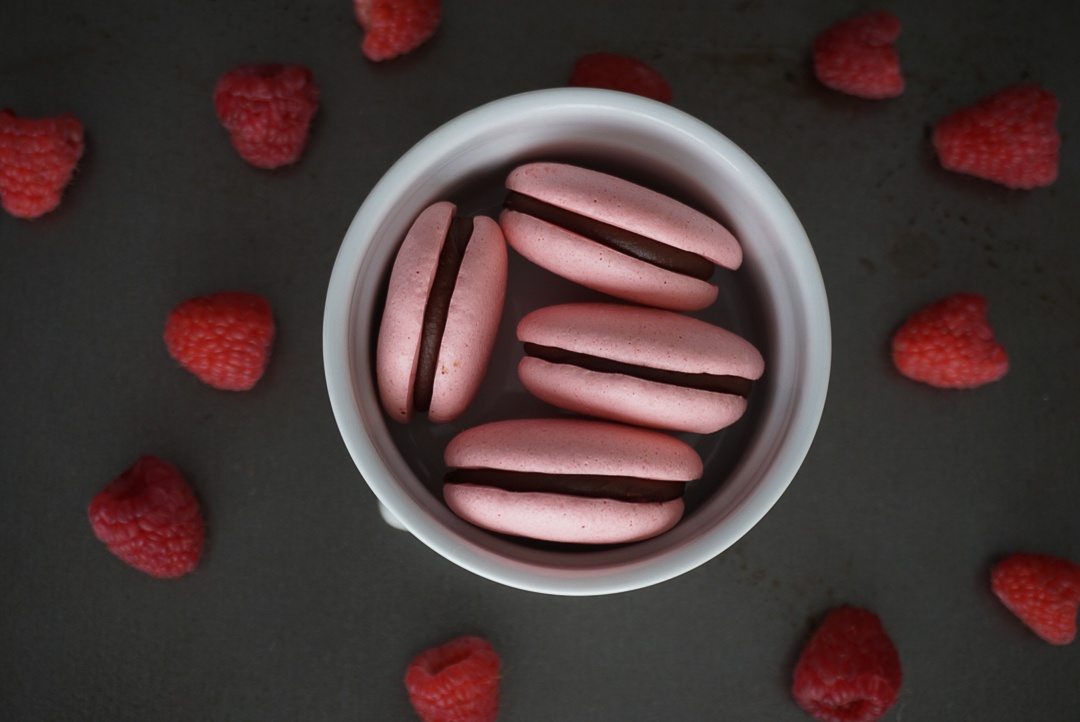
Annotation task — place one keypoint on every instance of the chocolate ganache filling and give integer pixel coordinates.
(438, 306)
(627, 242)
(720, 383)
(593, 486)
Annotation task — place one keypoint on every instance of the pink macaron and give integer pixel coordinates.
(616, 237)
(637, 365)
(442, 312)
(569, 480)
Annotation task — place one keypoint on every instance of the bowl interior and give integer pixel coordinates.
(776, 301)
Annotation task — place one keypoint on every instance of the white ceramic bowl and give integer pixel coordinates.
(777, 300)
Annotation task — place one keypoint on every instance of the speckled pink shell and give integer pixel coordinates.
(561, 518)
(471, 324)
(645, 337)
(572, 446)
(628, 206)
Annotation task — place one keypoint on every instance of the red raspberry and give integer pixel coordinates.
(1043, 591)
(267, 110)
(949, 344)
(1010, 138)
(149, 517)
(856, 56)
(849, 671)
(395, 27)
(457, 682)
(224, 339)
(37, 158)
(619, 72)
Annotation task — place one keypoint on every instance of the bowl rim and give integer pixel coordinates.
(701, 546)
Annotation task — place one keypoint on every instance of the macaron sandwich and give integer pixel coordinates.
(615, 236)
(643, 366)
(443, 306)
(569, 480)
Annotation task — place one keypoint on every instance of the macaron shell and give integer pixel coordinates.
(644, 337)
(574, 446)
(398, 345)
(472, 322)
(559, 517)
(600, 268)
(630, 400)
(629, 206)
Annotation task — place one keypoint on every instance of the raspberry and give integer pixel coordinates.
(856, 56)
(949, 344)
(149, 517)
(395, 27)
(619, 72)
(224, 339)
(1043, 591)
(37, 159)
(1009, 137)
(267, 110)
(457, 682)
(849, 671)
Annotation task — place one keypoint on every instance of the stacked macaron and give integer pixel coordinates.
(640, 368)
(643, 366)
(616, 237)
(442, 312)
(569, 480)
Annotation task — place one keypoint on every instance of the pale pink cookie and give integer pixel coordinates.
(644, 366)
(569, 480)
(442, 312)
(615, 236)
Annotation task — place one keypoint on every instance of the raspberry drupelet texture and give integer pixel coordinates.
(849, 671)
(857, 56)
(455, 682)
(612, 71)
(950, 344)
(1043, 591)
(267, 110)
(1010, 137)
(37, 159)
(224, 339)
(396, 27)
(149, 517)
